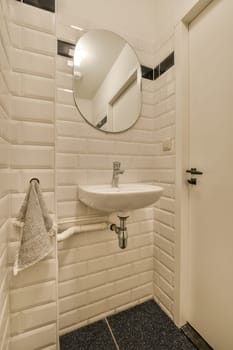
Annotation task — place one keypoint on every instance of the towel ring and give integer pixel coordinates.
(34, 178)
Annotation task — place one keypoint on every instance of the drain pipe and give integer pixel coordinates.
(80, 229)
(121, 231)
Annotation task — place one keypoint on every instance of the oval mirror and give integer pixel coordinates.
(107, 81)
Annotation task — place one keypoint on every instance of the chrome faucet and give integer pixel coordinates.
(116, 172)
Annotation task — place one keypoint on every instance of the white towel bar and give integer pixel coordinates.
(82, 228)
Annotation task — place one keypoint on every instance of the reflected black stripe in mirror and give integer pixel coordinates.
(48, 5)
(65, 49)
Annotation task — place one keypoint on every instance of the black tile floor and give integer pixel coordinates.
(93, 337)
(143, 327)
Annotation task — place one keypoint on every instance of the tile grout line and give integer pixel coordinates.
(113, 337)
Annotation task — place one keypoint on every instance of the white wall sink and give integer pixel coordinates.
(126, 197)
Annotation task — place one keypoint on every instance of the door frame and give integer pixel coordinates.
(181, 277)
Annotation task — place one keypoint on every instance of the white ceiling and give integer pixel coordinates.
(150, 20)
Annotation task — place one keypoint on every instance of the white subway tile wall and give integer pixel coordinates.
(33, 292)
(96, 277)
(164, 211)
(4, 173)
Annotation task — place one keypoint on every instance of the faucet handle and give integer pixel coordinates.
(116, 165)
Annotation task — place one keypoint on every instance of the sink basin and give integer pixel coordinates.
(123, 198)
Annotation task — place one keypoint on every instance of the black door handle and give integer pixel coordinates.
(192, 181)
(194, 171)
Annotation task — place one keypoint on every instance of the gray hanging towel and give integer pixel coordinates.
(36, 229)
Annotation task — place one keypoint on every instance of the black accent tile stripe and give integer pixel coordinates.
(195, 337)
(161, 68)
(48, 5)
(147, 72)
(167, 63)
(63, 48)
(156, 72)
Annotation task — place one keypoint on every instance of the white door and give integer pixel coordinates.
(211, 151)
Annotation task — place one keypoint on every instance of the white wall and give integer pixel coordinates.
(164, 212)
(4, 173)
(33, 298)
(96, 278)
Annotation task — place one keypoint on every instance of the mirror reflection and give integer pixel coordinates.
(107, 81)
